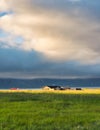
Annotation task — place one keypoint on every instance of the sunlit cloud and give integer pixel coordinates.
(57, 33)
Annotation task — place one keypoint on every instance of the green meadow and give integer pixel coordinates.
(49, 111)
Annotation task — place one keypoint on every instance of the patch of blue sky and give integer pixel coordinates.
(3, 34)
(3, 13)
(19, 39)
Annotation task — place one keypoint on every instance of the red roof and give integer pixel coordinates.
(13, 88)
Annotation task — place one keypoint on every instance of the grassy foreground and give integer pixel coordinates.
(49, 111)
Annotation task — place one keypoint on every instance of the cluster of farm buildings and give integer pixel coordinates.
(58, 88)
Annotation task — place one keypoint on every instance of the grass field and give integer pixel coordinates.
(49, 111)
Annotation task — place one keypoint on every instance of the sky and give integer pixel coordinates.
(49, 38)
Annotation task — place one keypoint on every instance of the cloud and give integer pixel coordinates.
(16, 63)
(75, 0)
(3, 5)
(53, 29)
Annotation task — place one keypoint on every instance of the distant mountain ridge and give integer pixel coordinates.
(40, 82)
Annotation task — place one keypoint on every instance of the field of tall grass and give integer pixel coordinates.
(49, 111)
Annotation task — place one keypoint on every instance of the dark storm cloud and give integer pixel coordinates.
(30, 64)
